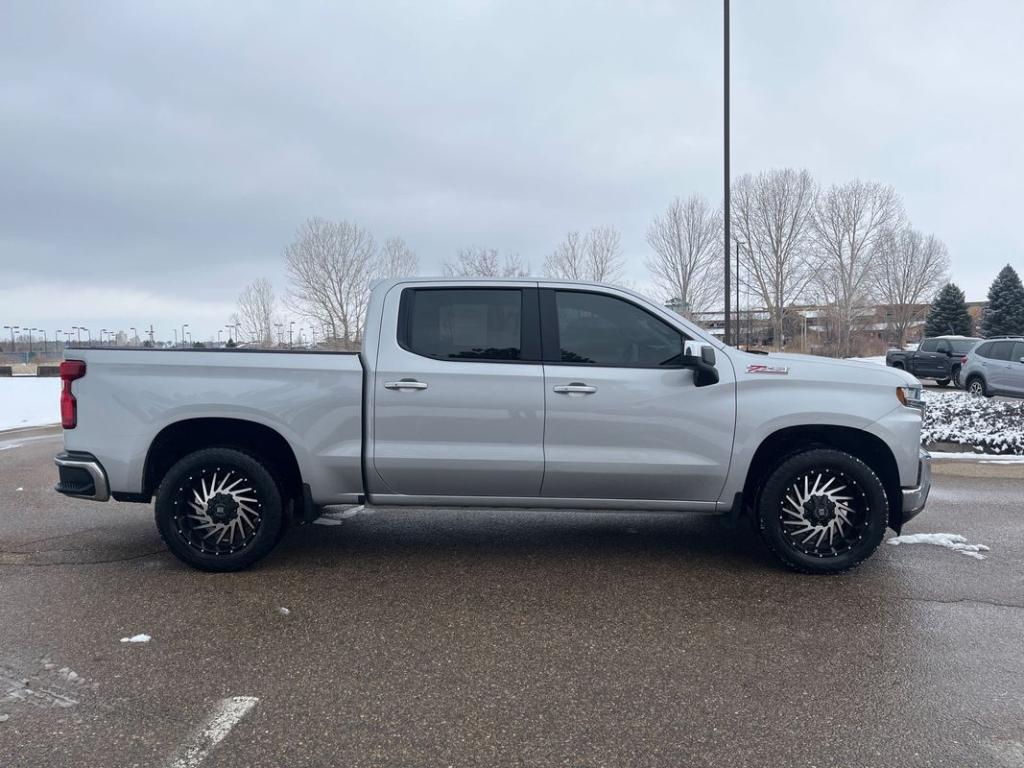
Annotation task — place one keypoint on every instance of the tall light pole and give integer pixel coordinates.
(183, 327)
(30, 339)
(291, 326)
(135, 335)
(726, 176)
(12, 329)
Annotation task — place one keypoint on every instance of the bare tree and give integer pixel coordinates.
(771, 215)
(911, 269)
(330, 266)
(596, 256)
(256, 313)
(396, 259)
(687, 243)
(849, 222)
(485, 262)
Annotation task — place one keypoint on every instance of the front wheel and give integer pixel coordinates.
(822, 511)
(942, 382)
(219, 509)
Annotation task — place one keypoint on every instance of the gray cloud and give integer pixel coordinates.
(170, 152)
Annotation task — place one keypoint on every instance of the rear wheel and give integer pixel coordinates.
(822, 511)
(956, 377)
(976, 386)
(219, 509)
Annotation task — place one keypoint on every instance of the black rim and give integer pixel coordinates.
(217, 511)
(823, 512)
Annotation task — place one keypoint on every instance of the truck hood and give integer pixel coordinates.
(827, 367)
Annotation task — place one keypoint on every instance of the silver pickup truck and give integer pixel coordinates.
(498, 393)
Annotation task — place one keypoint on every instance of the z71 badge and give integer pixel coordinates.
(779, 370)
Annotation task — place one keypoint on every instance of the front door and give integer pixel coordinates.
(624, 421)
(459, 393)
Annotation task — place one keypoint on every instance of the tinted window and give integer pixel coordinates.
(466, 324)
(1018, 351)
(928, 345)
(1000, 350)
(963, 346)
(943, 346)
(604, 330)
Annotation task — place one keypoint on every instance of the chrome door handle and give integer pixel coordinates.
(576, 388)
(405, 384)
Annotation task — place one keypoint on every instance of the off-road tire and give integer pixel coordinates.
(872, 517)
(176, 519)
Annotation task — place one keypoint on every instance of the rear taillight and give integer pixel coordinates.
(963, 360)
(69, 371)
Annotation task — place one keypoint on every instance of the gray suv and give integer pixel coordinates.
(995, 367)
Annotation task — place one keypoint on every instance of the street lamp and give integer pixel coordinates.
(12, 329)
(183, 327)
(727, 181)
(30, 339)
(135, 334)
(291, 325)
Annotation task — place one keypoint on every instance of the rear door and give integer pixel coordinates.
(927, 361)
(998, 368)
(459, 392)
(624, 421)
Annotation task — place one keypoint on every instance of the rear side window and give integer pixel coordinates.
(1000, 350)
(1018, 351)
(604, 330)
(928, 345)
(463, 323)
(963, 346)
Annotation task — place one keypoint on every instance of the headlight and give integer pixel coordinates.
(910, 397)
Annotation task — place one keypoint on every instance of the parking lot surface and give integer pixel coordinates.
(467, 637)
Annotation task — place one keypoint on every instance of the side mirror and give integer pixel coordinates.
(701, 358)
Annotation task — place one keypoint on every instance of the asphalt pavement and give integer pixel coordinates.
(484, 638)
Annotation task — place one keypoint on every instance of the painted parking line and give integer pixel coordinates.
(218, 725)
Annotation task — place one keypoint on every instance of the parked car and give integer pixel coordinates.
(939, 358)
(996, 367)
(498, 393)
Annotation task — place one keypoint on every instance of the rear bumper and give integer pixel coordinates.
(81, 476)
(915, 498)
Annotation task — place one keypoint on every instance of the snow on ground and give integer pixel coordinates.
(136, 639)
(28, 401)
(877, 360)
(982, 458)
(953, 541)
(989, 425)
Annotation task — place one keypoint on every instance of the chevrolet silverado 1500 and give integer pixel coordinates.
(498, 393)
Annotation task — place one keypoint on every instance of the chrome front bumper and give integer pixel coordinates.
(915, 498)
(81, 477)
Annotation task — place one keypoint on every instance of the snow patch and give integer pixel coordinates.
(283, 611)
(984, 458)
(19, 488)
(136, 639)
(953, 541)
(28, 401)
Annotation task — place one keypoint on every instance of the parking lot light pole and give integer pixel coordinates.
(12, 329)
(726, 175)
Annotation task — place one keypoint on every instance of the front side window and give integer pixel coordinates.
(596, 329)
(929, 345)
(465, 323)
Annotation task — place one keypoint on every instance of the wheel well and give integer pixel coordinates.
(898, 365)
(183, 437)
(870, 449)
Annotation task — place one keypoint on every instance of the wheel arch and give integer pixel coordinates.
(183, 437)
(869, 448)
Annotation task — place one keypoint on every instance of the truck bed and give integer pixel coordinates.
(312, 399)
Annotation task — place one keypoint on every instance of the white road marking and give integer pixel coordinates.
(223, 718)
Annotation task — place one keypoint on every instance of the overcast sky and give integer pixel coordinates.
(154, 158)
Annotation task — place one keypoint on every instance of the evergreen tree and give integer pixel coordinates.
(1004, 315)
(948, 315)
